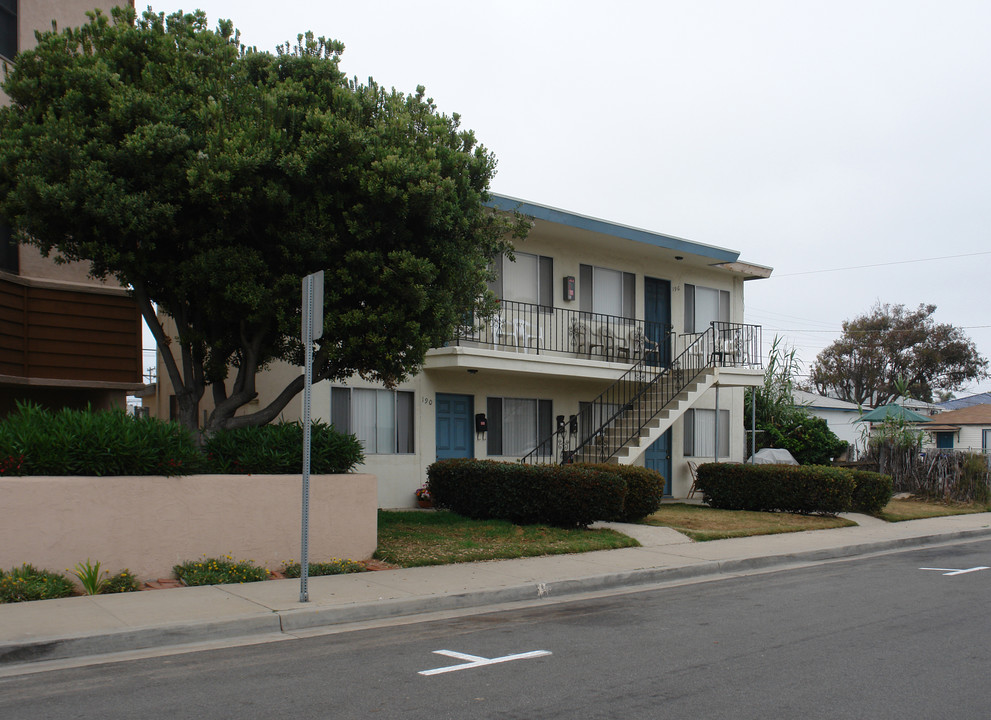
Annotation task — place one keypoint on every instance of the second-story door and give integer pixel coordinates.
(657, 317)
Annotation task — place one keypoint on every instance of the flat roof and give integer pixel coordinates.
(584, 222)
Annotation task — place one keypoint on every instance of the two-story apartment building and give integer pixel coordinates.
(610, 343)
(65, 339)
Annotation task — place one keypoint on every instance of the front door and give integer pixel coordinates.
(454, 426)
(657, 318)
(658, 457)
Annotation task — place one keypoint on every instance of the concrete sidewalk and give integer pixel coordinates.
(85, 626)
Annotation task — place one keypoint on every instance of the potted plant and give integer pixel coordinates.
(423, 498)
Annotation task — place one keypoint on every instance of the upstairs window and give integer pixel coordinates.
(530, 279)
(605, 291)
(703, 306)
(8, 28)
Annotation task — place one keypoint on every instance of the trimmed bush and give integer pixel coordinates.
(644, 489)
(37, 441)
(561, 495)
(804, 489)
(273, 449)
(871, 491)
(28, 583)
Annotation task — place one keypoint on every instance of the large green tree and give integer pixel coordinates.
(892, 351)
(209, 178)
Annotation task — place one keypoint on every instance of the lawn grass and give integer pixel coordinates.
(916, 508)
(704, 523)
(413, 539)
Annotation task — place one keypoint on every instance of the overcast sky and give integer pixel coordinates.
(813, 137)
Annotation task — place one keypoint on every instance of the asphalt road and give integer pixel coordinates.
(874, 637)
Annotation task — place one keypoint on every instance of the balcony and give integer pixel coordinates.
(536, 330)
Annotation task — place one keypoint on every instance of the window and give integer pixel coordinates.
(606, 291)
(516, 425)
(530, 279)
(704, 306)
(8, 28)
(700, 433)
(382, 420)
(8, 249)
(591, 417)
(986, 440)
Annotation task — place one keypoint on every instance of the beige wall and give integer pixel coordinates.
(149, 524)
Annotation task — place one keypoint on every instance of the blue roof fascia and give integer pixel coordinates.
(582, 222)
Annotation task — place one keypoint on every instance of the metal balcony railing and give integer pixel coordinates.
(528, 328)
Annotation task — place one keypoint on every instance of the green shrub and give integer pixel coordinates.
(644, 490)
(566, 496)
(219, 571)
(28, 583)
(871, 491)
(801, 489)
(331, 567)
(273, 449)
(122, 582)
(87, 442)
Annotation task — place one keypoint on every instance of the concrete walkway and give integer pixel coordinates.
(84, 626)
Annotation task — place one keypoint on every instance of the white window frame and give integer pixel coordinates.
(379, 437)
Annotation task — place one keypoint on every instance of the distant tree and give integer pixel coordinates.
(209, 178)
(781, 422)
(892, 351)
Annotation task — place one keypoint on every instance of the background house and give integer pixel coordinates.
(968, 428)
(841, 417)
(65, 339)
(584, 302)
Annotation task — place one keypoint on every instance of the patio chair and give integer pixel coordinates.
(693, 468)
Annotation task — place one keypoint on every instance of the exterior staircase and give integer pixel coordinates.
(620, 424)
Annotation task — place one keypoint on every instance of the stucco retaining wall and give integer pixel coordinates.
(149, 524)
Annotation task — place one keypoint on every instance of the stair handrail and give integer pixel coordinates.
(685, 368)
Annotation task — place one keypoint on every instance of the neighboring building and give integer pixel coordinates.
(65, 339)
(584, 302)
(841, 417)
(957, 403)
(968, 428)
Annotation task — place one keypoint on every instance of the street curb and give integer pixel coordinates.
(289, 621)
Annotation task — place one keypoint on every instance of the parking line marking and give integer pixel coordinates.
(954, 571)
(475, 661)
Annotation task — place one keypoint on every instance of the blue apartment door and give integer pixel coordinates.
(657, 317)
(658, 457)
(454, 426)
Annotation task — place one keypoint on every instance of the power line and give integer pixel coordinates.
(884, 264)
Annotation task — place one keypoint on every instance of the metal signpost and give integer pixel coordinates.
(312, 330)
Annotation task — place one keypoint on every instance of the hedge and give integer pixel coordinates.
(561, 495)
(273, 449)
(871, 492)
(801, 489)
(644, 489)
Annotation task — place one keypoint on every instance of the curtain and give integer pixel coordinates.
(519, 426)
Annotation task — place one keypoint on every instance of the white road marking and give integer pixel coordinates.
(474, 661)
(954, 571)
